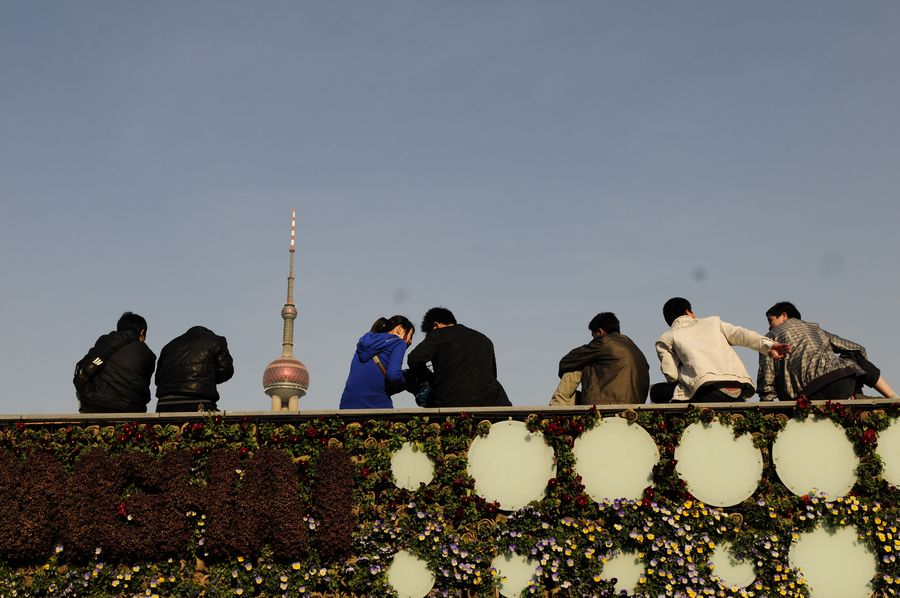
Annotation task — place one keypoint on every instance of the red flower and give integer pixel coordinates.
(244, 451)
(554, 429)
(311, 432)
(803, 402)
(870, 436)
(582, 500)
(122, 511)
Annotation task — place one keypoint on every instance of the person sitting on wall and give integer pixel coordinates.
(698, 361)
(189, 368)
(463, 362)
(122, 385)
(821, 365)
(376, 371)
(610, 368)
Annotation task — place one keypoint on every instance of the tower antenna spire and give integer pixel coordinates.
(289, 311)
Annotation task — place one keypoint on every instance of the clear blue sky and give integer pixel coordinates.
(526, 164)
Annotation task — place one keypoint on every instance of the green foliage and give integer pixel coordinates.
(254, 508)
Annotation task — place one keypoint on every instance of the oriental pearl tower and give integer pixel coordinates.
(286, 379)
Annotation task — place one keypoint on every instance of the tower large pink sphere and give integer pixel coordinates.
(287, 380)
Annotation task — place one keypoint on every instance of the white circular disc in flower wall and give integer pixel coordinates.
(511, 465)
(834, 563)
(615, 459)
(517, 571)
(731, 572)
(718, 468)
(411, 467)
(626, 568)
(815, 454)
(889, 451)
(410, 576)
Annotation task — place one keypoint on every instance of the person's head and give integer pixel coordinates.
(603, 323)
(132, 321)
(396, 325)
(780, 312)
(437, 317)
(676, 307)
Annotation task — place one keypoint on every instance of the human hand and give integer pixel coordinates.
(779, 351)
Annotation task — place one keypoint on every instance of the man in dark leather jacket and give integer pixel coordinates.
(189, 368)
(123, 385)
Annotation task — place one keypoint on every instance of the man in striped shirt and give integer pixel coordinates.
(820, 366)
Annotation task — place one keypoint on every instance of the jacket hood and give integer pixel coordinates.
(372, 343)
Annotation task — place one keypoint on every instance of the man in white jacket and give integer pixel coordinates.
(698, 361)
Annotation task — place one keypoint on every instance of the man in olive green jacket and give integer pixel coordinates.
(611, 369)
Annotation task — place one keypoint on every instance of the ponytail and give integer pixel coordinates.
(386, 324)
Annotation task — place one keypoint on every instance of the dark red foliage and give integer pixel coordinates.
(249, 504)
(30, 492)
(131, 506)
(333, 502)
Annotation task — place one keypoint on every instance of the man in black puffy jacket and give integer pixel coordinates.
(189, 368)
(123, 383)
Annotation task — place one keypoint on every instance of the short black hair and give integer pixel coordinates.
(606, 320)
(675, 308)
(783, 307)
(131, 321)
(437, 315)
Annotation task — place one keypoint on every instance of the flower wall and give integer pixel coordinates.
(257, 507)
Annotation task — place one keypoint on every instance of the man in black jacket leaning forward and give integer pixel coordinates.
(465, 367)
(123, 383)
(189, 368)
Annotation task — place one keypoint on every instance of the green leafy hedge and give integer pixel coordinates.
(244, 507)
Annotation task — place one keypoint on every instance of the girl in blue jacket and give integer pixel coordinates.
(376, 371)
